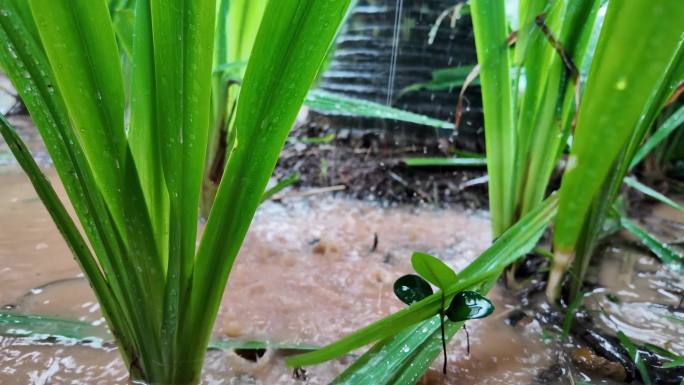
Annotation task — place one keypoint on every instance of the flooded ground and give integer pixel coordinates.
(308, 273)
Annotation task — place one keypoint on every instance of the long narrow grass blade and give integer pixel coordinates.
(619, 88)
(441, 162)
(244, 19)
(443, 79)
(424, 354)
(538, 133)
(620, 85)
(79, 40)
(280, 186)
(610, 188)
(289, 49)
(80, 44)
(182, 37)
(489, 24)
(661, 133)
(635, 184)
(636, 357)
(70, 233)
(81, 47)
(559, 40)
(327, 102)
(27, 66)
(236, 28)
(40, 327)
(143, 132)
(661, 249)
(384, 361)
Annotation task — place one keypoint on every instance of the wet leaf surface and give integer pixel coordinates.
(469, 305)
(412, 288)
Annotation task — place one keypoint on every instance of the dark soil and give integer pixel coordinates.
(369, 165)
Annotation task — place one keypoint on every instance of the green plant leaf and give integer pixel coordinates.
(244, 18)
(661, 133)
(635, 184)
(635, 356)
(110, 307)
(619, 86)
(444, 162)
(80, 44)
(399, 358)
(181, 32)
(289, 49)
(623, 90)
(27, 66)
(143, 132)
(423, 352)
(664, 252)
(468, 305)
(433, 270)
(327, 102)
(442, 79)
(281, 185)
(490, 28)
(551, 47)
(38, 327)
(412, 288)
(81, 47)
(661, 351)
(570, 315)
(674, 363)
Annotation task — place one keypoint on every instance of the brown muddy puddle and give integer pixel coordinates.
(307, 273)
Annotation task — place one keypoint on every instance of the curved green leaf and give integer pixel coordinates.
(433, 270)
(661, 133)
(327, 102)
(81, 46)
(635, 184)
(445, 162)
(663, 251)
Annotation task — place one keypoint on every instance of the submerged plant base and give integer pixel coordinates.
(562, 261)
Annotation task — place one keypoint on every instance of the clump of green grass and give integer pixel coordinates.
(558, 59)
(632, 76)
(129, 143)
(632, 73)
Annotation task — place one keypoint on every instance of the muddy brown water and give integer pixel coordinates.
(308, 274)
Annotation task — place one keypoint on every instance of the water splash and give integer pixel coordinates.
(395, 52)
